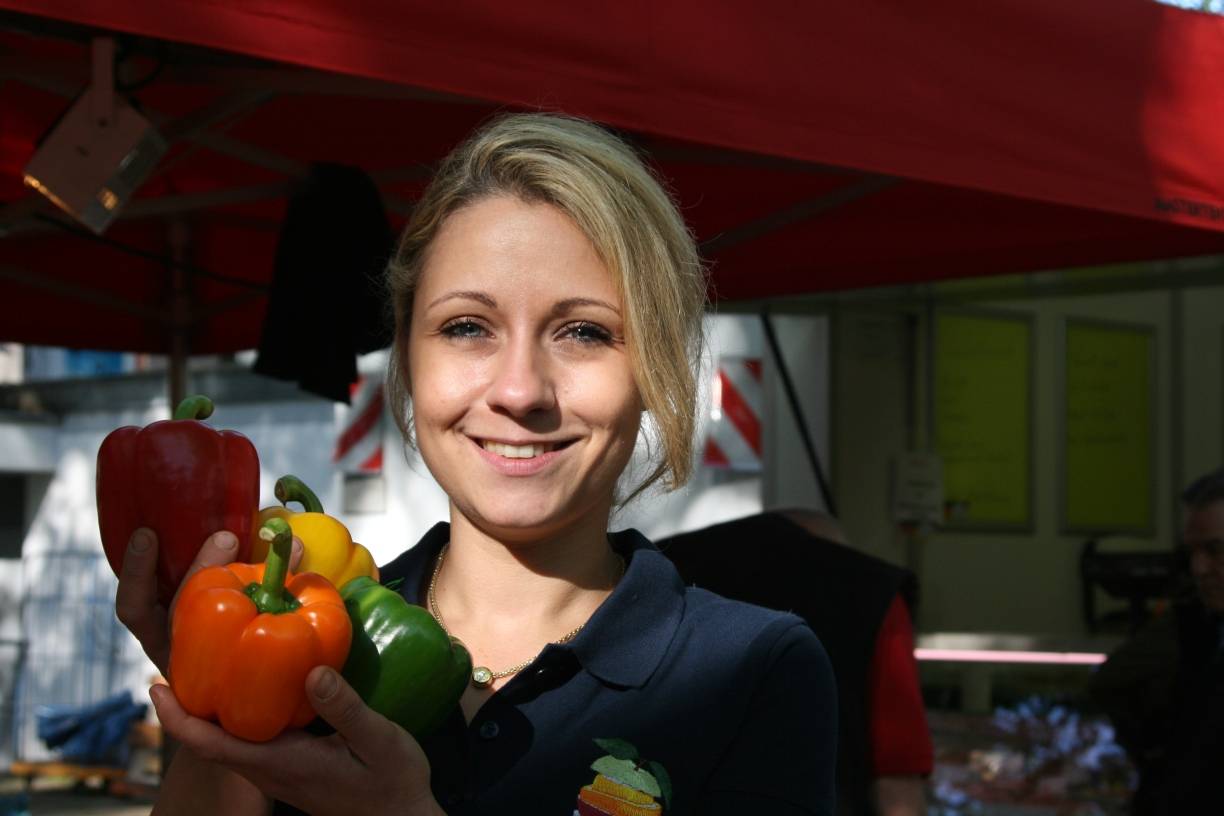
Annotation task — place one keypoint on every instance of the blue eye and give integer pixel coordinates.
(588, 333)
(463, 330)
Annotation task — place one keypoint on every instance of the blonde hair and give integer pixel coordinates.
(598, 181)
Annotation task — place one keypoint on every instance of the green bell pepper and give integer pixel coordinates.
(402, 663)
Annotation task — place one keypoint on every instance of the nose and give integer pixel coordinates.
(522, 380)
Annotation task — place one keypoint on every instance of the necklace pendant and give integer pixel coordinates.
(481, 677)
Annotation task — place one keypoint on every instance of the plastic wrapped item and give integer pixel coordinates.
(94, 734)
(1039, 756)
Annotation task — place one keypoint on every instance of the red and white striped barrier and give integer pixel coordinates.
(359, 446)
(733, 440)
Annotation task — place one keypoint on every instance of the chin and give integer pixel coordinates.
(514, 521)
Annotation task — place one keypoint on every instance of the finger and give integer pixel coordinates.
(295, 557)
(369, 734)
(136, 603)
(207, 740)
(281, 768)
(219, 549)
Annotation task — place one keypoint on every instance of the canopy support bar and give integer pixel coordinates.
(237, 104)
(202, 315)
(797, 213)
(82, 293)
(137, 252)
(693, 154)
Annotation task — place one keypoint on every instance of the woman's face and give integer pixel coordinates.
(524, 404)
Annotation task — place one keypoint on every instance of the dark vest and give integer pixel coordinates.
(1195, 753)
(843, 595)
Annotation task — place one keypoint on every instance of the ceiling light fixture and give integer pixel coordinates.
(94, 158)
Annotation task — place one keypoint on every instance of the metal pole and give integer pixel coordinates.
(797, 412)
(180, 324)
(1176, 405)
(929, 440)
(180, 311)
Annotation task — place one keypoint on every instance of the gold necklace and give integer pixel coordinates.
(482, 676)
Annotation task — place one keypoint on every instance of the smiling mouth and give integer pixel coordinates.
(522, 451)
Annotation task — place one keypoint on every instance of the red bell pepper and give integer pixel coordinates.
(181, 479)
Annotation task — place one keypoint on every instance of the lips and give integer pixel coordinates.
(520, 457)
(516, 451)
(527, 450)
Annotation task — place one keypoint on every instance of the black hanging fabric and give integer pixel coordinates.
(328, 301)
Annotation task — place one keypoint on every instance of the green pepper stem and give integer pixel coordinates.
(292, 489)
(194, 407)
(270, 596)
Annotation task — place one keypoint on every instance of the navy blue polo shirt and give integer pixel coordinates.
(735, 703)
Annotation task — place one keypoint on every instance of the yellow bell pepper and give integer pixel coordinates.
(328, 548)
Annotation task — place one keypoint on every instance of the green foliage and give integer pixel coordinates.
(660, 773)
(618, 748)
(627, 773)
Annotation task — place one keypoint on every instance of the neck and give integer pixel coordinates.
(499, 588)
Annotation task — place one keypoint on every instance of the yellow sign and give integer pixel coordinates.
(1108, 429)
(983, 422)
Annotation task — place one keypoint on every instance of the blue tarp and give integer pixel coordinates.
(91, 734)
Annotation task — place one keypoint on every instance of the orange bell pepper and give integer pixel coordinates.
(244, 637)
(327, 547)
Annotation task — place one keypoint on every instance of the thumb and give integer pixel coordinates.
(138, 573)
(368, 733)
(295, 555)
(136, 603)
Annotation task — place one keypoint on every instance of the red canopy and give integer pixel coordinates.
(813, 146)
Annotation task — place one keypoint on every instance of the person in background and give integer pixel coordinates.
(860, 608)
(1164, 688)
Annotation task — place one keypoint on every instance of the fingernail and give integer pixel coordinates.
(325, 684)
(227, 541)
(141, 540)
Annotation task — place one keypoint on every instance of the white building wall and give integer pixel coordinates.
(1019, 582)
(12, 359)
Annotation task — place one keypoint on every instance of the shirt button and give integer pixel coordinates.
(489, 730)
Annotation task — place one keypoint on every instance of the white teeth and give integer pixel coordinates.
(516, 451)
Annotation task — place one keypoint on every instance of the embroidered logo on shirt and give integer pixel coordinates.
(625, 784)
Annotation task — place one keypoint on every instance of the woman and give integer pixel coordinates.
(546, 295)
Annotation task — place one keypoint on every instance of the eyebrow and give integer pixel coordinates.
(559, 308)
(467, 294)
(569, 304)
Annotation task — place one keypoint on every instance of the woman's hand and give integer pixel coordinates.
(136, 599)
(370, 765)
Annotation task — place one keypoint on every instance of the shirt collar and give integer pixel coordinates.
(625, 640)
(410, 567)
